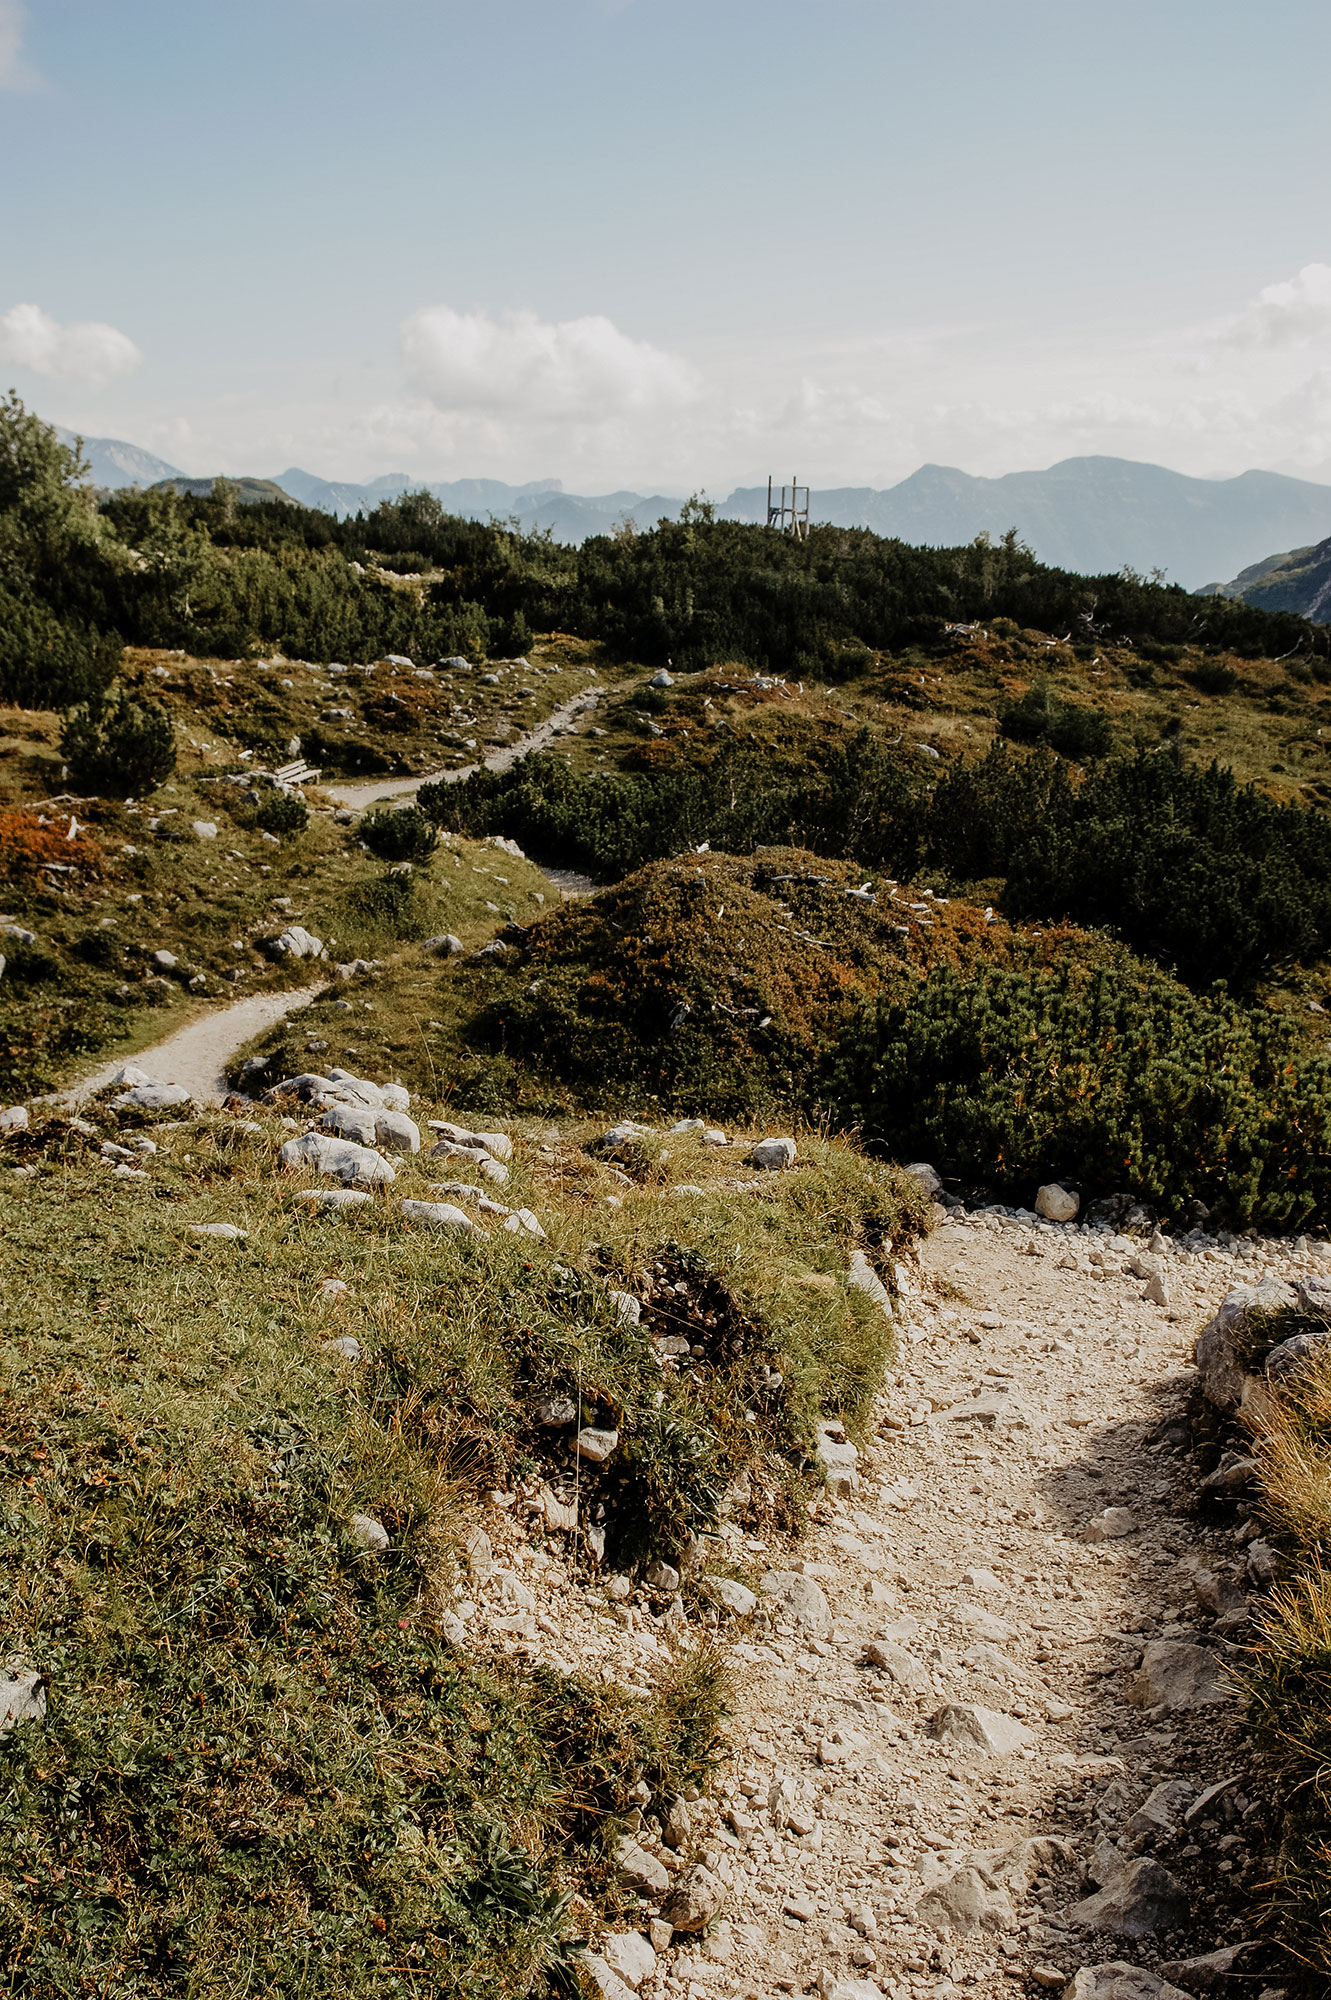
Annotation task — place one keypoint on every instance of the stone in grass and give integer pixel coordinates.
(641, 1870)
(204, 829)
(320, 1153)
(926, 1177)
(369, 1533)
(627, 1309)
(798, 1599)
(396, 1133)
(22, 1697)
(446, 945)
(1117, 1981)
(773, 1156)
(226, 1231)
(596, 1446)
(630, 1955)
(973, 1727)
(14, 1118)
(523, 1223)
(346, 1348)
(349, 1121)
(734, 1597)
(151, 1097)
(438, 1215)
(334, 1201)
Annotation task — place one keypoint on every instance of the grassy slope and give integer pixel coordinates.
(262, 1767)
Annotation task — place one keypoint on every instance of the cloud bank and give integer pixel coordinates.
(88, 351)
(580, 371)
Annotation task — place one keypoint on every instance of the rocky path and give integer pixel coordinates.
(979, 1750)
(196, 1055)
(376, 790)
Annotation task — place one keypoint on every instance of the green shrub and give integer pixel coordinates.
(115, 745)
(399, 833)
(1214, 677)
(1041, 717)
(282, 812)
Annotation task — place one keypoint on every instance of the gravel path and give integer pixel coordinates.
(197, 1054)
(868, 1838)
(540, 738)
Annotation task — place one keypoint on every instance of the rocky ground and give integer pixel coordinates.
(988, 1742)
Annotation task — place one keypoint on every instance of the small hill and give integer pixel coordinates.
(115, 464)
(248, 491)
(1299, 581)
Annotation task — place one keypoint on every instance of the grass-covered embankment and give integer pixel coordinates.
(263, 1766)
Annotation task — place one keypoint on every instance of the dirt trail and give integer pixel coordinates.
(858, 1846)
(540, 738)
(197, 1054)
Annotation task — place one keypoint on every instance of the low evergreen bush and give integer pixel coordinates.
(116, 746)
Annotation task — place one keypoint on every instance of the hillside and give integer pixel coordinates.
(1298, 582)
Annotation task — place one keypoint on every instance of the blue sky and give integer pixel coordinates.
(662, 244)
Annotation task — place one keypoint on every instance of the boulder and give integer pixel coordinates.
(973, 1727)
(151, 1097)
(396, 1097)
(1176, 1677)
(1056, 1204)
(438, 1215)
(296, 942)
(773, 1156)
(339, 1159)
(308, 1087)
(349, 1121)
(1209, 1972)
(982, 1892)
(166, 961)
(1224, 1381)
(798, 1599)
(1313, 1295)
(1141, 1898)
(396, 1133)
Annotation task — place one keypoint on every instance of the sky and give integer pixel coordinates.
(671, 245)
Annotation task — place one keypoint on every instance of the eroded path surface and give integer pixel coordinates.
(196, 1055)
(1049, 1708)
(503, 759)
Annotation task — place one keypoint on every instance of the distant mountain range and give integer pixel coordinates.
(1090, 515)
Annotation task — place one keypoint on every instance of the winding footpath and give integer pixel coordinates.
(196, 1055)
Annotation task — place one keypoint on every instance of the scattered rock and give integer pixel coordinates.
(14, 1118)
(1119, 1982)
(226, 1231)
(151, 1097)
(604, 1978)
(799, 1599)
(1223, 1380)
(1208, 1973)
(339, 1159)
(22, 1697)
(627, 1309)
(349, 1121)
(734, 1596)
(346, 1347)
(928, 1177)
(1141, 1898)
(1056, 1204)
(444, 946)
(396, 1133)
(204, 829)
(899, 1665)
(641, 1870)
(973, 1727)
(167, 960)
(630, 1955)
(335, 1201)
(438, 1215)
(596, 1446)
(555, 1413)
(772, 1156)
(521, 1222)
(662, 1577)
(1176, 1676)
(694, 1901)
(1111, 1525)
(1288, 1359)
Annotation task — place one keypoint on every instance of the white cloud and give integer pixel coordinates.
(87, 351)
(15, 72)
(1295, 310)
(578, 371)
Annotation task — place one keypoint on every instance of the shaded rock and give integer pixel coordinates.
(662, 1576)
(736, 1597)
(1178, 1676)
(1143, 1897)
(444, 946)
(982, 1893)
(339, 1159)
(1056, 1204)
(973, 1727)
(1209, 1972)
(862, 1277)
(1119, 1982)
(799, 1599)
(1163, 1810)
(928, 1177)
(627, 1309)
(1224, 1382)
(555, 1413)
(1292, 1355)
(349, 1121)
(1313, 1294)
(641, 1870)
(1111, 1525)
(772, 1156)
(14, 1118)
